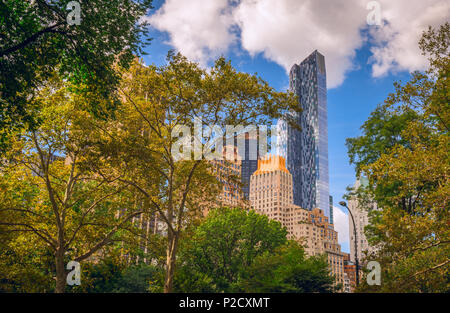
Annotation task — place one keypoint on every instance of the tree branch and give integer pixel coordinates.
(107, 238)
(34, 37)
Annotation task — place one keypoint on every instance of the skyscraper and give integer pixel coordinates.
(360, 213)
(249, 163)
(228, 172)
(306, 151)
(331, 210)
(271, 189)
(271, 195)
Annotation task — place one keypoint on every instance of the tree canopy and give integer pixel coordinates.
(404, 153)
(233, 250)
(52, 194)
(36, 40)
(157, 101)
(86, 179)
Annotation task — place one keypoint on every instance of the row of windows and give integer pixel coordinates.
(271, 197)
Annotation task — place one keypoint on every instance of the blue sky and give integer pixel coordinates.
(362, 61)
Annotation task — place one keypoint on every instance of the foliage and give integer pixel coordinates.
(237, 251)
(36, 39)
(382, 131)
(139, 143)
(404, 154)
(51, 194)
(25, 265)
(227, 242)
(288, 269)
(113, 276)
(77, 183)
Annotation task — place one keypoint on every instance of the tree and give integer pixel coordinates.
(223, 246)
(157, 101)
(111, 275)
(233, 250)
(36, 39)
(288, 269)
(50, 192)
(382, 131)
(408, 175)
(25, 264)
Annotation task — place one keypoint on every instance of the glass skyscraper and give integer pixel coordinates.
(249, 163)
(306, 151)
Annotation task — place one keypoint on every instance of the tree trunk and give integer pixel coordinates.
(61, 274)
(170, 262)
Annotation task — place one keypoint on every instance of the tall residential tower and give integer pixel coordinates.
(306, 151)
(249, 162)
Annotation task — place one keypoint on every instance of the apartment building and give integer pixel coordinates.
(360, 213)
(271, 194)
(228, 173)
(350, 273)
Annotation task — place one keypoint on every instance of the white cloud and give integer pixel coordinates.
(199, 29)
(289, 30)
(340, 220)
(396, 46)
(286, 31)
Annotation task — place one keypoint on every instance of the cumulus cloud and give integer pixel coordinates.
(395, 43)
(286, 31)
(289, 30)
(341, 225)
(199, 29)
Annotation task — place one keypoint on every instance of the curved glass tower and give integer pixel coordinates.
(306, 151)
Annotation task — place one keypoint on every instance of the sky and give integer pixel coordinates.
(367, 46)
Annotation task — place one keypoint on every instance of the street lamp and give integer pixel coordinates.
(356, 241)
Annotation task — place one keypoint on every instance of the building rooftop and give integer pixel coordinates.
(270, 164)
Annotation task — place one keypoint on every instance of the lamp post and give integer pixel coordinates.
(344, 204)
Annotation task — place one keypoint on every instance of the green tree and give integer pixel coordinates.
(137, 278)
(233, 250)
(404, 154)
(36, 39)
(224, 245)
(100, 277)
(288, 269)
(51, 192)
(25, 264)
(112, 275)
(140, 142)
